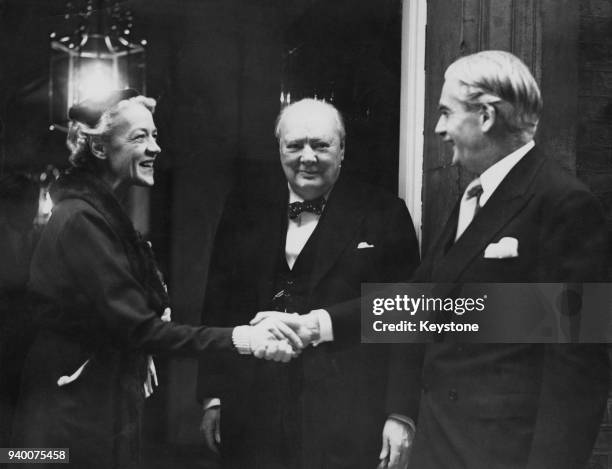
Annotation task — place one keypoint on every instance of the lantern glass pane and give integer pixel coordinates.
(95, 78)
(59, 87)
(132, 70)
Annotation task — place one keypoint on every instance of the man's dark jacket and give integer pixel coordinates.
(326, 408)
(516, 405)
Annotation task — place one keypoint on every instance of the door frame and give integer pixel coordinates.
(412, 108)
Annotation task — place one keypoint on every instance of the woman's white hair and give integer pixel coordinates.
(80, 135)
(502, 80)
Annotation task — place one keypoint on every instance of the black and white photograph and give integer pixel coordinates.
(200, 198)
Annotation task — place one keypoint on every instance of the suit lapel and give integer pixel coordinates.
(269, 241)
(508, 200)
(337, 227)
(438, 249)
(447, 239)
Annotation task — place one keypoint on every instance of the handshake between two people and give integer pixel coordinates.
(278, 336)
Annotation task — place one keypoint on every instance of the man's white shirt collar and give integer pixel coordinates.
(495, 174)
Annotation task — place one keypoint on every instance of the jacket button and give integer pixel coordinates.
(425, 388)
(452, 395)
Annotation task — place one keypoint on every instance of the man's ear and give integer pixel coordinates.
(488, 114)
(97, 149)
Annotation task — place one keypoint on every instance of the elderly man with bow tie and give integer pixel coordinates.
(304, 249)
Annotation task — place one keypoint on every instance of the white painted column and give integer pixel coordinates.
(412, 112)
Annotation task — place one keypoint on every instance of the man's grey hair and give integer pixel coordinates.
(502, 80)
(307, 105)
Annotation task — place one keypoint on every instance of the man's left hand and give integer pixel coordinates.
(397, 438)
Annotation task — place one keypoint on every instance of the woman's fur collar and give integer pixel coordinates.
(82, 184)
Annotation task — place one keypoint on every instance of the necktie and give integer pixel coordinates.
(314, 206)
(469, 207)
(475, 191)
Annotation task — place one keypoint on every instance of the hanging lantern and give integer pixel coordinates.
(93, 57)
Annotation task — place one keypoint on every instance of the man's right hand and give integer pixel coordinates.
(306, 326)
(272, 339)
(210, 428)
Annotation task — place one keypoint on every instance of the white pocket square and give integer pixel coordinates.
(64, 380)
(364, 245)
(505, 248)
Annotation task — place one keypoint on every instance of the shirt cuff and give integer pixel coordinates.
(407, 420)
(326, 331)
(241, 338)
(210, 402)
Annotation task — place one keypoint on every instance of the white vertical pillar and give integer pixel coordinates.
(412, 112)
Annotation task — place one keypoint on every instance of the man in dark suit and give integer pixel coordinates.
(304, 248)
(523, 219)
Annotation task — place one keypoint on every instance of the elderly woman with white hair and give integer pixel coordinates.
(100, 302)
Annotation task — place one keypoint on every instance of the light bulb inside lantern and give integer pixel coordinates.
(96, 81)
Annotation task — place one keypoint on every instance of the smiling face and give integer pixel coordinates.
(311, 151)
(461, 127)
(131, 147)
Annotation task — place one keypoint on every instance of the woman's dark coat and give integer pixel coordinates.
(98, 299)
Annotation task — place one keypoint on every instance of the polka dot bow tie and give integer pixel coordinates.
(314, 206)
